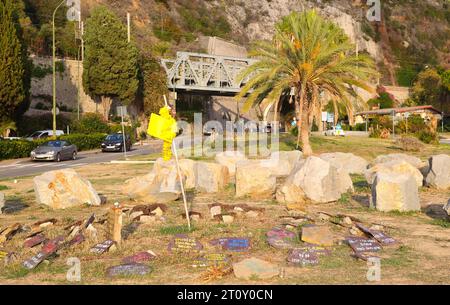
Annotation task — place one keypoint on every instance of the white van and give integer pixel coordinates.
(43, 134)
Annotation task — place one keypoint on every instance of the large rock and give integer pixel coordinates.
(254, 268)
(439, 172)
(414, 161)
(254, 179)
(346, 162)
(315, 179)
(187, 167)
(65, 188)
(396, 167)
(210, 177)
(447, 207)
(2, 202)
(161, 185)
(395, 192)
(318, 235)
(282, 163)
(229, 159)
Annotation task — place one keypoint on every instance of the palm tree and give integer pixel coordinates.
(313, 56)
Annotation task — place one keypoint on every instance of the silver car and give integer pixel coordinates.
(55, 151)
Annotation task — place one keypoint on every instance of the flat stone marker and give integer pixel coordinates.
(35, 260)
(50, 248)
(103, 247)
(185, 244)
(78, 239)
(315, 249)
(255, 268)
(213, 260)
(378, 235)
(129, 229)
(232, 244)
(363, 245)
(303, 257)
(128, 269)
(364, 256)
(318, 235)
(140, 257)
(34, 241)
(281, 238)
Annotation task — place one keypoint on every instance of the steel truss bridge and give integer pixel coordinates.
(206, 73)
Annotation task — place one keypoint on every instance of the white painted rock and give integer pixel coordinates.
(315, 179)
(210, 177)
(395, 192)
(63, 189)
(253, 178)
(447, 207)
(439, 172)
(346, 162)
(161, 185)
(396, 167)
(414, 161)
(229, 159)
(254, 268)
(186, 167)
(2, 202)
(282, 163)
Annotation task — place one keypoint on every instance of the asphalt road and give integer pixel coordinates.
(26, 167)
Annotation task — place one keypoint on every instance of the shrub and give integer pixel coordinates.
(26, 125)
(413, 124)
(409, 144)
(90, 123)
(428, 137)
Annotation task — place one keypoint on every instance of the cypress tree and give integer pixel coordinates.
(15, 76)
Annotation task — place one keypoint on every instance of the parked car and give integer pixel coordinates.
(335, 131)
(42, 134)
(55, 151)
(114, 142)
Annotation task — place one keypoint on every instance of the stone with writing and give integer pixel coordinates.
(140, 257)
(213, 260)
(235, 244)
(103, 247)
(128, 269)
(77, 239)
(303, 257)
(34, 241)
(377, 235)
(184, 243)
(361, 244)
(281, 238)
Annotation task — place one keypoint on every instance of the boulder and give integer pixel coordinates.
(254, 268)
(253, 178)
(161, 185)
(282, 163)
(447, 207)
(63, 189)
(229, 159)
(315, 179)
(318, 235)
(186, 167)
(2, 202)
(396, 167)
(346, 162)
(414, 161)
(210, 177)
(439, 172)
(395, 192)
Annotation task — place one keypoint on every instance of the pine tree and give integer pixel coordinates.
(15, 76)
(110, 63)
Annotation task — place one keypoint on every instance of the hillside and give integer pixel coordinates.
(411, 34)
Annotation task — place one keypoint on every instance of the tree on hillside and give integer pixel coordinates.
(313, 56)
(432, 88)
(15, 69)
(110, 63)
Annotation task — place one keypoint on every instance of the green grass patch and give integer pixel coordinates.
(3, 187)
(441, 223)
(173, 230)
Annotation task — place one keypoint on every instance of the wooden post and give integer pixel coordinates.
(115, 223)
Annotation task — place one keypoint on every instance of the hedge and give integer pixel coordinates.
(13, 149)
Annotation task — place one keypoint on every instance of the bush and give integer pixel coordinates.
(409, 144)
(413, 124)
(13, 149)
(91, 123)
(29, 124)
(428, 137)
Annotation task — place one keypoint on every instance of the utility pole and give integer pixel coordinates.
(129, 27)
(54, 68)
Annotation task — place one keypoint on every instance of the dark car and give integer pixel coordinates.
(114, 142)
(55, 151)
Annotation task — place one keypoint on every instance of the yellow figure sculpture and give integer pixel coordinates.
(164, 127)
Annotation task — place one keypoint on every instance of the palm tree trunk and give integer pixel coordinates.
(299, 113)
(306, 146)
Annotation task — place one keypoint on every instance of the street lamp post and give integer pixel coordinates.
(54, 67)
